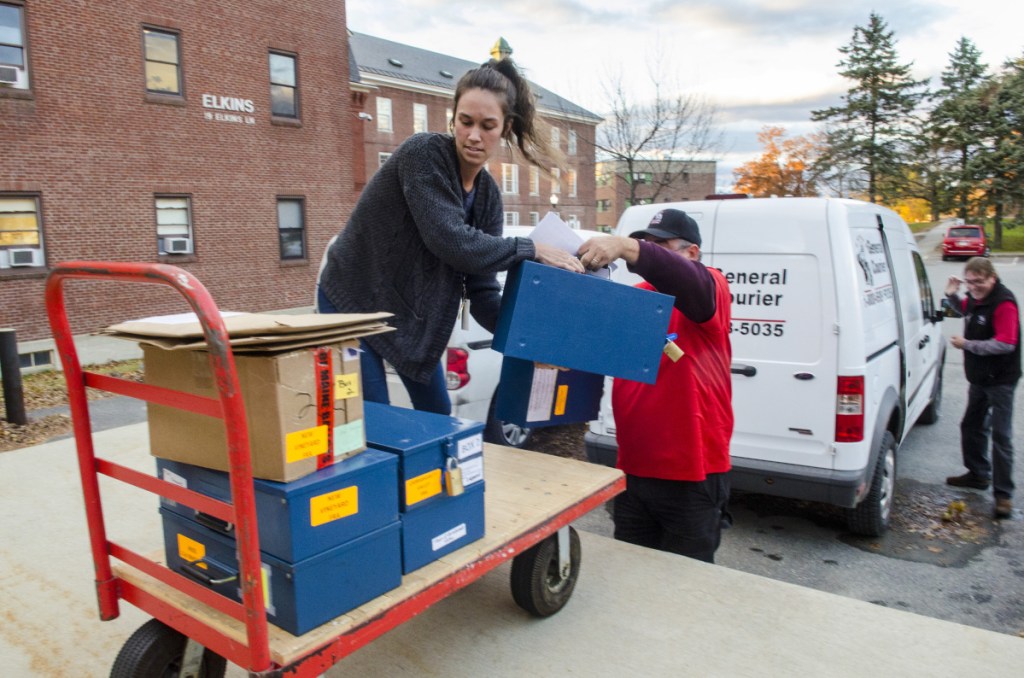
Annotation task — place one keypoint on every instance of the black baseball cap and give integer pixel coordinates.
(671, 223)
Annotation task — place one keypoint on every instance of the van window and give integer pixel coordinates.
(776, 306)
(927, 302)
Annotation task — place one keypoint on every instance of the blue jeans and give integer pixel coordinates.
(429, 397)
(989, 414)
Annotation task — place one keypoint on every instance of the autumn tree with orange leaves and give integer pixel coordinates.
(783, 169)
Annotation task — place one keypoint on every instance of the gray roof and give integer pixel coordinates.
(378, 56)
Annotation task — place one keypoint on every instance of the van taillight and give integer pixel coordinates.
(457, 374)
(850, 410)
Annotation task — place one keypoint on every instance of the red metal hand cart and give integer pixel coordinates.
(531, 498)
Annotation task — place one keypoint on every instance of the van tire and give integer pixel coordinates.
(933, 411)
(503, 433)
(870, 518)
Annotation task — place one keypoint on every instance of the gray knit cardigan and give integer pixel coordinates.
(408, 250)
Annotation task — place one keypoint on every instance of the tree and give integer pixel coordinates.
(648, 140)
(783, 169)
(867, 134)
(956, 123)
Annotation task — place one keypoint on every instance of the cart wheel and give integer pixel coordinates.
(156, 650)
(537, 585)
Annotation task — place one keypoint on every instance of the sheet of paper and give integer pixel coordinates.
(551, 230)
(542, 393)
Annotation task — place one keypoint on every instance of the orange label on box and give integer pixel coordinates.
(190, 550)
(563, 395)
(422, 487)
(306, 443)
(346, 386)
(334, 506)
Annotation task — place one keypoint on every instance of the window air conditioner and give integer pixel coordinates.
(12, 75)
(178, 245)
(26, 257)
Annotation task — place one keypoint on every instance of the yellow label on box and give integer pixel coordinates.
(190, 550)
(422, 487)
(346, 386)
(334, 506)
(563, 395)
(265, 571)
(310, 442)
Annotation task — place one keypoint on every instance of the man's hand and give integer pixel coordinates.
(957, 342)
(552, 256)
(953, 285)
(601, 251)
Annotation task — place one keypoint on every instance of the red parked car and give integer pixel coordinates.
(965, 241)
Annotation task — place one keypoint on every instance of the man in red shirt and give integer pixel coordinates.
(991, 346)
(674, 435)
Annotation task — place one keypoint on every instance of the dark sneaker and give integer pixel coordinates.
(968, 480)
(1004, 507)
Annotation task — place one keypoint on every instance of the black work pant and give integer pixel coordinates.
(678, 516)
(989, 415)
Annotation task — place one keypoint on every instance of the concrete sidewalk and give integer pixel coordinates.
(634, 611)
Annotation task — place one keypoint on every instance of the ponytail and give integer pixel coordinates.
(523, 126)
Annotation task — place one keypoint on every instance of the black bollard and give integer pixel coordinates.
(10, 372)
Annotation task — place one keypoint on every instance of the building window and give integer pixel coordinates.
(534, 180)
(603, 205)
(382, 158)
(291, 228)
(509, 178)
(574, 221)
(448, 118)
(284, 90)
(174, 224)
(383, 115)
(534, 218)
(21, 237)
(556, 180)
(13, 64)
(511, 218)
(604, 178)
(163, 61)
(419, 118)
(35, 359)
(571, 178)
(556, 137)
(572, 142)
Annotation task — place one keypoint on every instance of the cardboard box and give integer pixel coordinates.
(280, 391)
(552, 316)
(300, 519)
(424, 443)
(298, 596)
(536, 396)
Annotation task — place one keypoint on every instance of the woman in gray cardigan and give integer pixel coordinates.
(426, 234)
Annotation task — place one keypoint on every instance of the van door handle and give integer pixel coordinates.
(924, 342)
(745, 370)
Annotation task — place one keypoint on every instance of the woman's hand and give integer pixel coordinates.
(552, 256)
(953, 285)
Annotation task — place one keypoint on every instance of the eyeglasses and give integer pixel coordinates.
(667, 244)
(974, 282)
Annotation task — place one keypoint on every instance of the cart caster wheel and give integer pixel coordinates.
(156, 650)
(537, 585)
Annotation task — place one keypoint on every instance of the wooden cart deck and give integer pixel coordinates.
(529, 495)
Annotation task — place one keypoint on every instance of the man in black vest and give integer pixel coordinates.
(991, 346)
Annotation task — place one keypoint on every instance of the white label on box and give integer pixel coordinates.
(445, 538)
(174, 479)
(471, 445)
(351, 353)
(472, 471)
(542, 393)
(348, 437)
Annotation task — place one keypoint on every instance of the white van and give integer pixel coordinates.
(836, 345)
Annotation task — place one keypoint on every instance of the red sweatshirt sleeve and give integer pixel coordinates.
(1006, 323)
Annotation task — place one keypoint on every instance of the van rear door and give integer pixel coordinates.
(783, 329)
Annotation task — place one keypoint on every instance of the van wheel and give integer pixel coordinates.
(870, 518)
(930, 415)
(504, 433)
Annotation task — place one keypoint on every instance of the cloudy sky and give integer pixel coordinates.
(760, 62)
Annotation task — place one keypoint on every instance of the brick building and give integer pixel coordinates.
(655, 180)
(409, 90)
(211, 136)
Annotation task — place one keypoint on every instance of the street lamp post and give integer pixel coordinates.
(554, 203)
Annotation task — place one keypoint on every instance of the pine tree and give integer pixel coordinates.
(957, 122)
(871, 131)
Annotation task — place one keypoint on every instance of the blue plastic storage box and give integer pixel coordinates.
(307, 516)
(442, 527)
